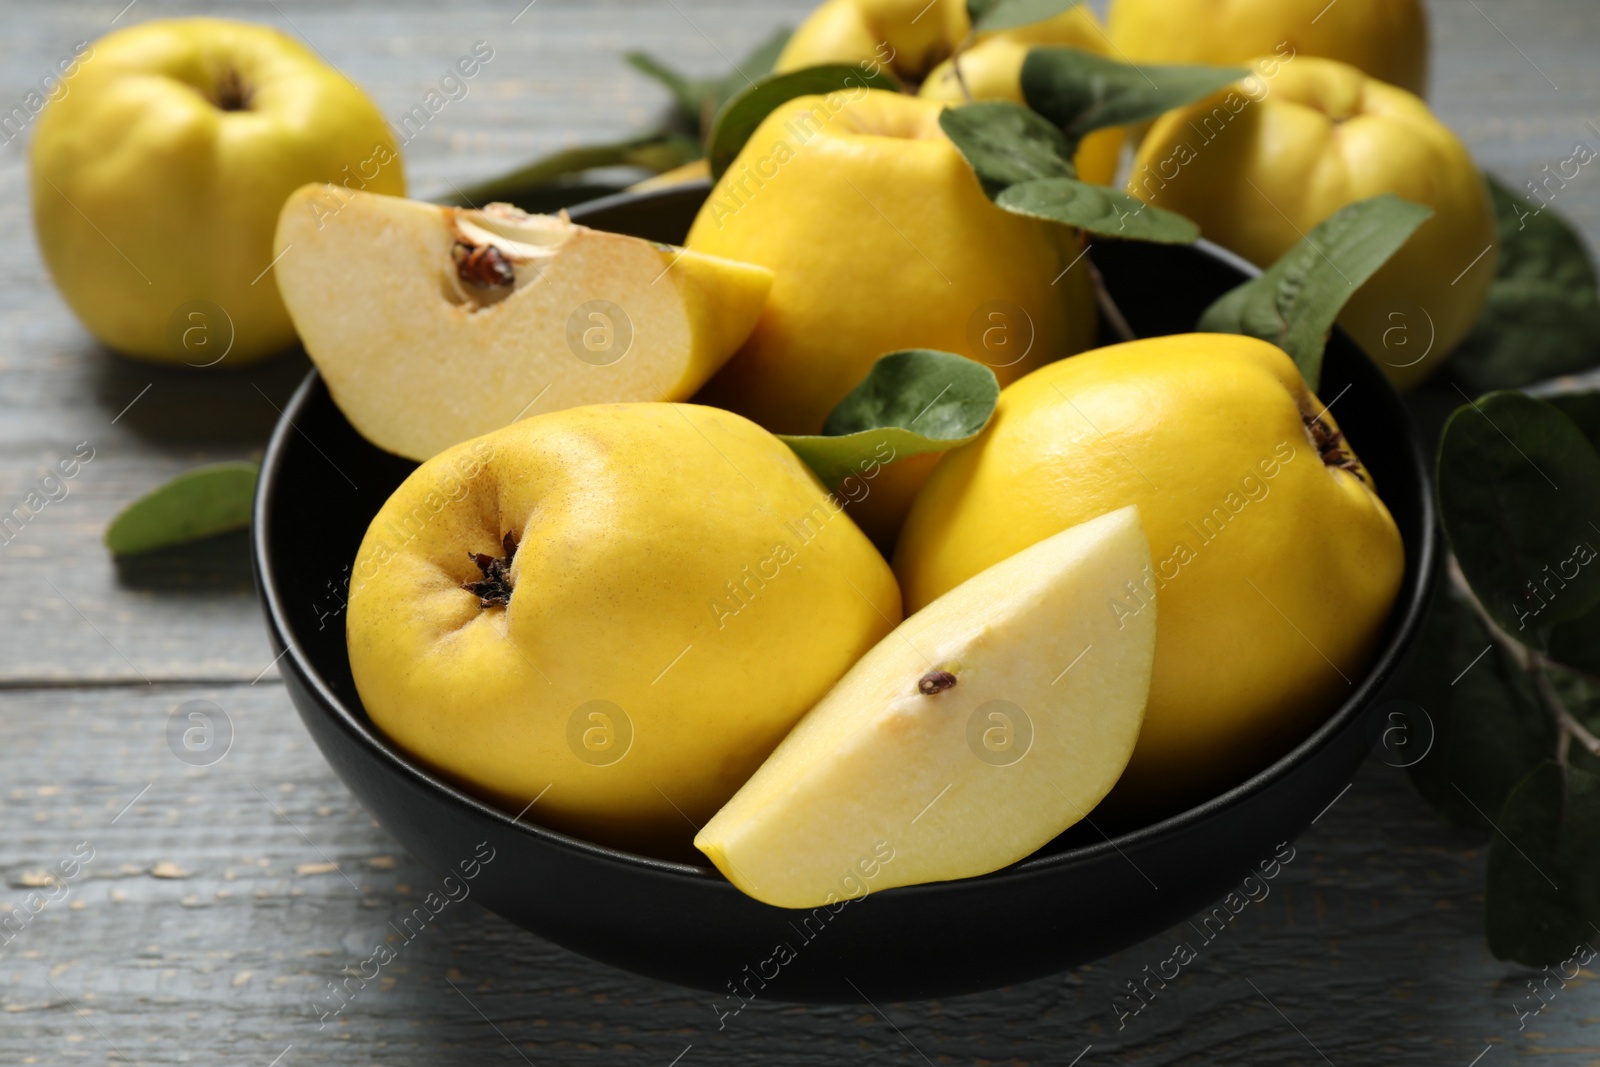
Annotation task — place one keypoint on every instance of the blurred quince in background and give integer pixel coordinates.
(158, 175)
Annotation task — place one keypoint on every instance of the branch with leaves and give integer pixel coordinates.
(1517, 631)
(680, 139)
(1508, 675)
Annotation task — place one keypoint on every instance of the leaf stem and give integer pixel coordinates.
(1534, 662)
(1458, 579)
(1108, 305)
(1568, 722)
(955, 65)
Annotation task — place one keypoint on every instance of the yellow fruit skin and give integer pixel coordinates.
(908, 37)
(1274, 572)
(880, 238)
(1257, 176)
(992, 70)
(879, 504)
(147, 196)
(718, 298)
(698, 170)
(913, 40)
(1387, 39)
(675, 560)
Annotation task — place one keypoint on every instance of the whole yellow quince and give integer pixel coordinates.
(880, 238)
(616, 611)
(157, 179)
(1386, 38)
(1275, 561)
(905, 37)
(1260, 164)
(915, 41)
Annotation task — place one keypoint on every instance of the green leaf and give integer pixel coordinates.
(758, 64)
(1025, 164)
(654, 152)
(1519, 495)
(1295, 302)
(1095, 208)
(988, 15)
(689, 94)
(1488, 728)
(1543, 886)
(1081, 92)
(1583, 409)
(1577, 643)
(198, 503)
(911, 402)
(1006, 143)
(1543, 315)
(738, 118)
(697, 99)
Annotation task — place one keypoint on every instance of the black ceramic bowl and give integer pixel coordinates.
(1080, 898)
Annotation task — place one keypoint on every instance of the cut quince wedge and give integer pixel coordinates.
(432, 325)
(977, 731)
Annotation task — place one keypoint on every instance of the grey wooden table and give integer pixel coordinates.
(220, 901)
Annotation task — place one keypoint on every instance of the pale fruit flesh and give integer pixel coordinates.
(682, 590)
(1276, 560)
(433, 325)
(978, 731)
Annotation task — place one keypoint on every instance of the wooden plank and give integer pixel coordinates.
(216, 909)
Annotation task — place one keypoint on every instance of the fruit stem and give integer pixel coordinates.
(955, 65)
(232, 92)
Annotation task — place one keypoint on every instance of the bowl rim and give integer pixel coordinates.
(1408, 621)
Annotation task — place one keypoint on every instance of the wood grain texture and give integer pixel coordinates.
(221, 901)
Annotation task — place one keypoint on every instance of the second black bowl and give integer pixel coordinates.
(1078, 899)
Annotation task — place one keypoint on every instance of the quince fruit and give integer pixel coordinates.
(915, 41)
(1006, 709)
(904, 37)
(1259, 165)
(881, 239)
(1388, 39)
(432, 325)
(616, 611)
(157, 180)
(1276, 562)
(992, 70)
